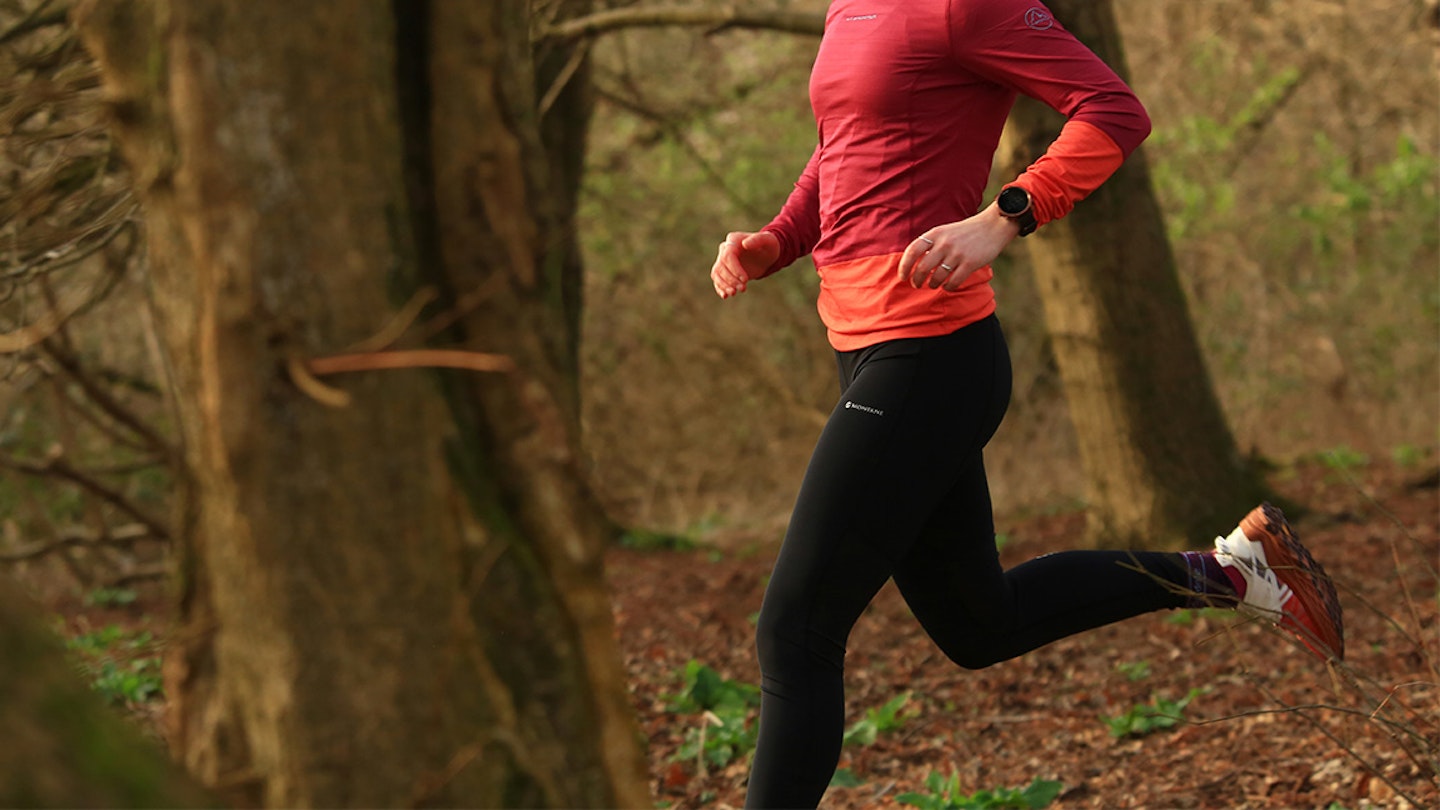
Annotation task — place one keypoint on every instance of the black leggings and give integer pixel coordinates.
(896, 488)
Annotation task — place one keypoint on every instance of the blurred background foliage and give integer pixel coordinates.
(86, 458)
(1295, 157)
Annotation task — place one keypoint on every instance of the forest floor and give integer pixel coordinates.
(1219, 712)
(1265, 725)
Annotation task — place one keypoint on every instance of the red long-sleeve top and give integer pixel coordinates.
(910, 97)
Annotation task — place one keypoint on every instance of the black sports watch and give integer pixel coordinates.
(1014, 203)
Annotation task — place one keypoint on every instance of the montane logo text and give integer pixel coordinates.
(861, 17)
(866, 408)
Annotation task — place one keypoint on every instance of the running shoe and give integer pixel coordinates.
(1283, 583)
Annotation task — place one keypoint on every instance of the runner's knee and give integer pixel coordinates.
(788, 648)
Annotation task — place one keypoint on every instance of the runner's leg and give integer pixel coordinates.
(883, 462)
(834, 559)
(980, 614)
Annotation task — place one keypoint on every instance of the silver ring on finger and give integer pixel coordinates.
(947, 267)
(926, 240)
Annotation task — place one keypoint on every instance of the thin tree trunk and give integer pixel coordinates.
(565, 99)
(528, 431)
(397, 602)
(1162, 466)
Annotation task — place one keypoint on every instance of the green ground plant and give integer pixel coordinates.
(98, 642)
(877, 721)
(1344, 458)
(121, 665)
(722, 710)
(647, 540)
(1134, 670)
(724, 728)
(1147, 718)
(1409, 455)
(1185, 617)
(946, 794)
(111, 597)
(125, 683)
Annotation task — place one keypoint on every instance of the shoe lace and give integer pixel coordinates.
(1264, 592)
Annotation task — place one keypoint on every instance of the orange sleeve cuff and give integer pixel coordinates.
(1078, 161)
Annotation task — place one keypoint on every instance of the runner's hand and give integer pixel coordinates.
(946, 255)
(743, 257)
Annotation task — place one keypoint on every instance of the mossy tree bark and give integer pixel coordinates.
(1161, 464)
(397, 602)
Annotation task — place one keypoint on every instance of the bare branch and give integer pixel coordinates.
(416, 358)
(28, 336)
(716, 18)
(60, 468)
(303, 373)
(45, 15)
(105, 401)
(123, 536)
(144, 573)
(398, 325)
(52, 249)
(563, 78)
(677, 133)
(94, 236)
(1369, 766)
(55, 319)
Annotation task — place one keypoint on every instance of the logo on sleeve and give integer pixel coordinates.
(1039, 19)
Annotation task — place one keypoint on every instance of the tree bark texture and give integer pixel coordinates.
(1162, 467)
(62, 747)
(565, 101)
(398, 602)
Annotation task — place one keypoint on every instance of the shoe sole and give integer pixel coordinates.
(1294, 565)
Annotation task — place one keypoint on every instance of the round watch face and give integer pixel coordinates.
(1014, 201)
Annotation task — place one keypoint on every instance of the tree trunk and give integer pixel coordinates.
(398, 602)
(62, 747)
(1161, 464)
(566, 105)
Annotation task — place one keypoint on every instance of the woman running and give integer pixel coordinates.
(909, 98)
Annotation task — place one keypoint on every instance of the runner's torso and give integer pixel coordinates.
(910, 97)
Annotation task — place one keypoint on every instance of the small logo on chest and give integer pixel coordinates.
(861, 17)
(1039, 19)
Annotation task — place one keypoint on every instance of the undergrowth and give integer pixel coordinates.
(122, 666)
(946, 794)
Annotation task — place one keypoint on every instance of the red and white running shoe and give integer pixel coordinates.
(1283, 583)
